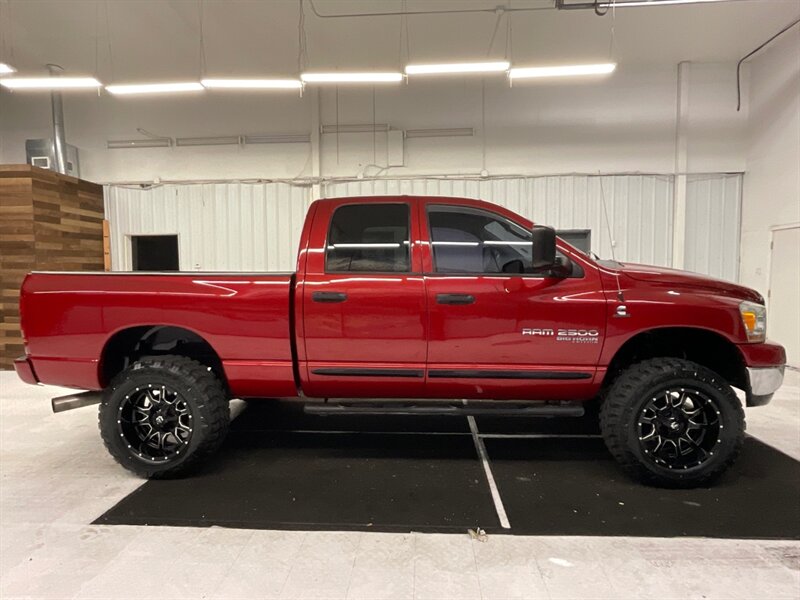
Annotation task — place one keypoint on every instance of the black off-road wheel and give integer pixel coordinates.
(163, 415)
(672, 423)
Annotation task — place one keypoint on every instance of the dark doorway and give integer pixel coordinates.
(155, 252)
(580, 238)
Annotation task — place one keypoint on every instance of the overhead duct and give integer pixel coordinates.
(429, 133)
(356, 128)
(278, 138)
(145, 143)
(228, 140)
(59, 136)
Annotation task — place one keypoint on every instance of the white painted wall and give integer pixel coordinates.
(771, 194)
(623, 123)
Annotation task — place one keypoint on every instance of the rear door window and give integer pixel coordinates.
(369, 238)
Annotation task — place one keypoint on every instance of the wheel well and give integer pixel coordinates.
(128, 345)
(698, 345)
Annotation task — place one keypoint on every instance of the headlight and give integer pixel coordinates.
(754, 317)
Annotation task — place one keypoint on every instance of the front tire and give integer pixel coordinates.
(672, 423)
(163, 415)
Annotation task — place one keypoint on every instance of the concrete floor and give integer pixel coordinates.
(56, 478)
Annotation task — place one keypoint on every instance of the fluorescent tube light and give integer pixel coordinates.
(351, 77)
(253, 84)
(563, 71)
(228, 140)
(6, 69)
(49, 83)
(278, 138)
(453, 132)
(148, 143)
(154, 88)
(455, 68)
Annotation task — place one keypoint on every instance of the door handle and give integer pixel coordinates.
(455, 299)
(329, 297)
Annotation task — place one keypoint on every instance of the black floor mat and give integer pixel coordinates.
(282, 469)
(573, 487)
(269, 479)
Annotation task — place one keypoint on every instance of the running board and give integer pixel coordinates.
(71, 401)
(497, 409)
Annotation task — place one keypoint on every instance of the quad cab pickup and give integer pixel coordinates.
(438, 300)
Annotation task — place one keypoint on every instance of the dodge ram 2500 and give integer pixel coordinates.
(459, 304)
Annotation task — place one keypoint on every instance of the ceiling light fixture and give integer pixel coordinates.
(563, 71)
(50, 83)
(6, 69)
(154, 88)
(351, 77)
(456, 68)
(253, 84)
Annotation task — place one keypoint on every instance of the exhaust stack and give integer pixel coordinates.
(59, 137)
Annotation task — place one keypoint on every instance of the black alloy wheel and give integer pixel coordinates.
(679, 428)
(156, 422)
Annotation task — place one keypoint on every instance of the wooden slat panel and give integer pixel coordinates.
(47, 222)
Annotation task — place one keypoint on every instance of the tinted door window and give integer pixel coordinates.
(369, 238)
(467, 240)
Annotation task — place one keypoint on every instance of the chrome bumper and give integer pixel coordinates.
(764, 382)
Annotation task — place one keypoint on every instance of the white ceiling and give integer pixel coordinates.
(160, 39)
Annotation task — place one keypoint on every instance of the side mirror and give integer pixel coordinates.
(543, 256)
(562, 267)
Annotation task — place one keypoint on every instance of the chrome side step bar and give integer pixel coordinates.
(494, 409)
(71, 401)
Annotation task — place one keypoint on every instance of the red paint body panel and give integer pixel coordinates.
(391, 329)
(767, 354)
(244, 318)
(24, 370)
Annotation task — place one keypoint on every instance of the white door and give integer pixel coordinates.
(783, 319)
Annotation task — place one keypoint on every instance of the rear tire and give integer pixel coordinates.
(163, 415)
(672, 423)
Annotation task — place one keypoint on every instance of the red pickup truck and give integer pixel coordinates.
(458, 304)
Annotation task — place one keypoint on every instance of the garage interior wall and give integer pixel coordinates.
(771, 196)
(256, 226)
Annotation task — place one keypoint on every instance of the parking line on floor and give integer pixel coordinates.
(535, 436)
(487, 469)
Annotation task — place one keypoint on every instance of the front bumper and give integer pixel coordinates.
(765, 363)
(25, 371)
(764, 382)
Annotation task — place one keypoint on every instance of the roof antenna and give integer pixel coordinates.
(622, 310)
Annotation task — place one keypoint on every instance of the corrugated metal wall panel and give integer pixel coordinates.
(713, 218)
(220, 226)
(256, 227)
(639, 206)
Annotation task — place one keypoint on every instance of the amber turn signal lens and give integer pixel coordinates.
(749, 319)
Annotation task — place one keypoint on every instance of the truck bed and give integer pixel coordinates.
(245, 317)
